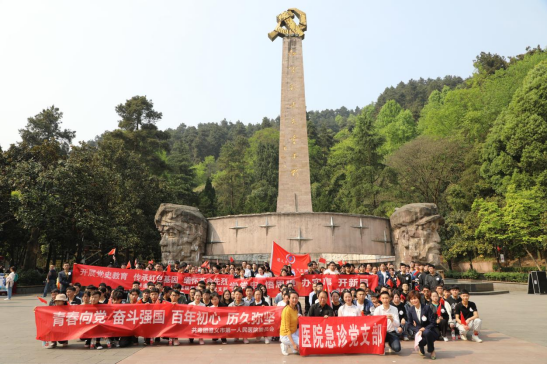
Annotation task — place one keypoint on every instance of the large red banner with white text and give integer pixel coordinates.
(94, 275)
(59, 323)
(342, 335)
(282, 257)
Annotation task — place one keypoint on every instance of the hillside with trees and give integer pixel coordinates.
(476, 147)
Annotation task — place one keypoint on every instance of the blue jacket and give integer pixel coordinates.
(430, 318)
(381, 278)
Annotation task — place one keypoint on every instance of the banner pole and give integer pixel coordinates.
(271, 256)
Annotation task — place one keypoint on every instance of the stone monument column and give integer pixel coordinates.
(294, 192)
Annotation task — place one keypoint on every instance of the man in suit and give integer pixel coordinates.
(383, 275)
(422, 319)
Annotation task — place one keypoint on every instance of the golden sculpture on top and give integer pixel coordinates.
(285, 19)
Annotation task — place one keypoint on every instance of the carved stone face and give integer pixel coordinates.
(415, 233)
(183, 233)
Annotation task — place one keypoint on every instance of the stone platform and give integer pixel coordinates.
(333, 236)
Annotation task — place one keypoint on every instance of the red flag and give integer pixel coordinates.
(112, 252)
(205, 264)
(390, 283)
(42, 300)
(128, 265)
(398, 282)
(464, 322)
(168, 268)
(441, 304)
(208, 265)
(322, 260)
(151, 261)
(341, 263)
(281, 257)
(231, 259)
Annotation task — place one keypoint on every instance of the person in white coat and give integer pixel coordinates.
(10, 282)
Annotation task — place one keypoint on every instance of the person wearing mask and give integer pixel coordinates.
(65, 277)
(393, 325)
(321, 308)
(10, 282)
(288, 331)
(349, 309)
(421, 321)
(260, 302)
(51, 277)
(467, 318)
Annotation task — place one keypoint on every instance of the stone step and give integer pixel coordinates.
(493, 292)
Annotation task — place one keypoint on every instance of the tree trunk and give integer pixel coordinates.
(32, 249)
(533, 258)
(50, 249)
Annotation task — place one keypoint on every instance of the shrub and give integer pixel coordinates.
(30, 277)
(524, 269)
(507, 276)
(470, 274)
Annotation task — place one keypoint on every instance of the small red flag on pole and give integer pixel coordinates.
(231, 259)
(168, 268)
(42, 300)
(112, 252)
(204, 265)
(322, 260)
(128, 264)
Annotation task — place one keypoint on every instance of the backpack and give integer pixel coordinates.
(16, 277)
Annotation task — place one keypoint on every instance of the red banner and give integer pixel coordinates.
(94, 275)
(342, 335)
(113, 277)
(335, 282)
(282, 257)
(59, 323)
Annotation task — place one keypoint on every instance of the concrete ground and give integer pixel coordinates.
(513, 332)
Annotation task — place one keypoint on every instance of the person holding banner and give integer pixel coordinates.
(393, 324)
(258, 301)
(421, 320)
(288, 330)
(321, 309)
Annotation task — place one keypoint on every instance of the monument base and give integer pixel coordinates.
(333, 236)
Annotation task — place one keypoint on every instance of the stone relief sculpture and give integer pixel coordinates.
(415, 233)
(183, 232)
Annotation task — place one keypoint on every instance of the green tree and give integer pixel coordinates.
(46, 125)
(515, 151)
(136, 112)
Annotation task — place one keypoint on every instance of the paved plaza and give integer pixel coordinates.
(514, 327)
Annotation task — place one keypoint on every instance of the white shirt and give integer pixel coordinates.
(392, 325)
(328, 272)
(260, 276)
(419, 312)
(268, 274)
(199, 305)
(282, 304)
(349, 311)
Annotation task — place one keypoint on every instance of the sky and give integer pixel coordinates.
(203, 61)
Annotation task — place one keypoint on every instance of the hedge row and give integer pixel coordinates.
(507, 276)
(524, 269)
(469, 274)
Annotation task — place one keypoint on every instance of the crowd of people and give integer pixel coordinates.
(414, 298)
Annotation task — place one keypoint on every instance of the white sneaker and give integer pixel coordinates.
(284, 349)
(387, 350)
(463, 336)
(445, 339)
(476, 339)
(406, 338)
(245, 340)
(295, 352)
(201, 342)
(266, 340)
(7, 299)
